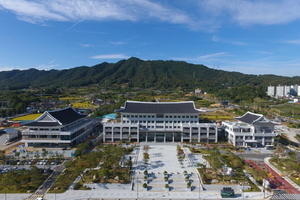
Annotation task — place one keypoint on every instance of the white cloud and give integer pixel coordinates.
(293, 41)
(31, 11)
(204, 58)
(110, 56)
(52, 61)
(260, 66)
(123, 41)
(40, 67)
(86, 45)
(265, 52)
(219, 39)
(249, 12)
(35, 11)
(118, 43)
(46, 67)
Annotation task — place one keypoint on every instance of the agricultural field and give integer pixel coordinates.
(83, 104)
(27, 117)
(70, 98)
(288, 110)
(217, 116)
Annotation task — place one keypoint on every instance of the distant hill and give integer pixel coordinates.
(134, 72)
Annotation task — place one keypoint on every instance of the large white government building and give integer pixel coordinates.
(251, 129)
(58, 128)
(159, 122)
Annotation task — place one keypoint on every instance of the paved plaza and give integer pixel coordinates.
(163, 157)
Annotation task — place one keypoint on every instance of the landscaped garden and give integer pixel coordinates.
(226, 168)
(106, 157)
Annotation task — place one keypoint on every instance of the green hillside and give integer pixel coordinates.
(136, 73)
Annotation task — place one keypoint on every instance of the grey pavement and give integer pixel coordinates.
(163, 157)
(290, 132)
(123, 194)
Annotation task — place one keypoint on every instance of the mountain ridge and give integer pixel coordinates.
(134, 72)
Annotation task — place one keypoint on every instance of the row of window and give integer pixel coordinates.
(161, 116)
(44, 129)
(175, 122)
(251, 138)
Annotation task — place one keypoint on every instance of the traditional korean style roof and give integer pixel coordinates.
(253, 118)
(57, 117)
(186, 107)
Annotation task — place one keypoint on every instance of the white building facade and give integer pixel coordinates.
(251, 129)
(283, 91)
(160, 122)
(271, 91)
(58, 128)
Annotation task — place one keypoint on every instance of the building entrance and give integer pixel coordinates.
(160, 137)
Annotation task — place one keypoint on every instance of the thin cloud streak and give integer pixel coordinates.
(73, 26)
(219, 39)
(110, 56)
(203, 58)
(293, 41)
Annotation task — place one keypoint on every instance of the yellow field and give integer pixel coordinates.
(70, 98)
(216, 118)
(27, 117)
(82, 105)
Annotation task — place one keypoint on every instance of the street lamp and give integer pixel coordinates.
(199, 188)
(137, 189)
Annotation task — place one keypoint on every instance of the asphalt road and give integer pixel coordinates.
(254, 156)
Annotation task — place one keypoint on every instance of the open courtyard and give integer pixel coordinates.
(162, 157)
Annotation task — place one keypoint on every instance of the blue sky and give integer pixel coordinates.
(248, 36)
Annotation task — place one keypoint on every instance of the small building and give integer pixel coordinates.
(251, 129)
(225, 102)
(58, 128)
(198, 91)
(12, 134)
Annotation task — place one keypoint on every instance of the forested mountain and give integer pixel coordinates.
(136, 73)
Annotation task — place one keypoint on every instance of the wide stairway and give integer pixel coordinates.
(177, 182)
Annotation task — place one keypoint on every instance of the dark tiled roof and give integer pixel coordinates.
(58, 117)
(34, 123)
(66, 115)
(159, 107)
(249, 117)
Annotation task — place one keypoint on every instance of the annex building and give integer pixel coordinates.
(251, 129)
(159, 122)
(57, 128)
